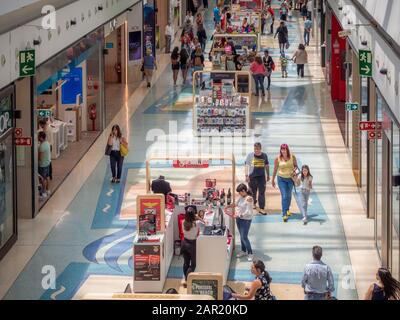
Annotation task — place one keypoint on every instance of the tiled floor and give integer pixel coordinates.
(81, 234)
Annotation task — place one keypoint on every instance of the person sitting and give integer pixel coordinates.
(161, 186)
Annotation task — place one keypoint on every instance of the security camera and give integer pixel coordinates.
(384, 71)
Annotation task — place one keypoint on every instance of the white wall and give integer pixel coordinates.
(54, 41)
(7, 6)
(383, 55)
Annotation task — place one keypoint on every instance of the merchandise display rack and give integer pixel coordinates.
(222, 110)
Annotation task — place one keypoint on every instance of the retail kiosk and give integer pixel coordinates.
(221, 107)
(153, 247)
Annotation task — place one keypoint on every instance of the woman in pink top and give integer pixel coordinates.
(258, 71)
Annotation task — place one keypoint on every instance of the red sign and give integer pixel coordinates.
(23, 142)
(191, 164)
(370, 126)
(372, 135)
(18, 132)
(149, 206)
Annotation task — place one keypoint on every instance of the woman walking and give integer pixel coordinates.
(258, 71)
(244, 215)
(306, 184)
(191, 230)
(175, 64)
(300, 58)
(269, 66)
(285, 166)
(184, 61)
(119, 147)
(386, 287)
(260, 287)
(283, 36)
(149, 64)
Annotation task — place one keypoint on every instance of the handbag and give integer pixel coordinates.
(108, 150)
(287, 45)
(124, 150)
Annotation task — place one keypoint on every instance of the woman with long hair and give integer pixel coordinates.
(306, 184)
(300, 58)
(244, 215)
(260, 287)
(175, 64)
(386, 287)
(285, 168)
(191, 230)
(258, 71)
(283, 36)
(116, 140)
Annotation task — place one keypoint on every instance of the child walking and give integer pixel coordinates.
(305, 184)
(284, 65)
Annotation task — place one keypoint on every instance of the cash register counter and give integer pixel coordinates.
(214, 252)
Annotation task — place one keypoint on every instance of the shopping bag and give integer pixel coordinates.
(124, 150)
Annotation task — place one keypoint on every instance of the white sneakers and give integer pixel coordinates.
(241, 254)
(305, 221)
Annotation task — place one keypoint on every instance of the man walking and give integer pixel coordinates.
(307, 31)
(317, 280)
(257, 175)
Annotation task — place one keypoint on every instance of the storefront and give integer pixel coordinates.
(8, 208)
(69, 96)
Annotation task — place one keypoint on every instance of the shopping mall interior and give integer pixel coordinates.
(199, 150)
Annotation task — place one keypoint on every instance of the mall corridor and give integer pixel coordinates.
(85, 230)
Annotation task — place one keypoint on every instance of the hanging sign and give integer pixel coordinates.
(352, 106)
(370, 125)
(365, 63)
(27, 63)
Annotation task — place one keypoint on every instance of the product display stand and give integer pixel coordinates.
(223, 110)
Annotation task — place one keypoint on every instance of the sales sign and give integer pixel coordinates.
(370, 126)
(151, 205)
(191, 164)
(350, 106)
(365, 63)
(27, 63)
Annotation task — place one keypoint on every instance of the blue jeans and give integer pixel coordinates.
(243, 228)
(304, 196)
(259, 79)
(314, 296)
(286, 188)
(306, 38)
(116, 162)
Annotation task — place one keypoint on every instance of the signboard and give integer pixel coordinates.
(370, 126)
(344, 33)
(18, 132)
(109, 45)
(27, 63)
(210, 284)
(352, 106)
(149, 27)
(151, 210)
(23, 142)
(135, 45)
(374, 135)
(365, 63)
(72, 87)
(44, 113)
(191, 164)
(147, 262)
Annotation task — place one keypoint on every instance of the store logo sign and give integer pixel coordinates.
(49, 20)
(5, 122)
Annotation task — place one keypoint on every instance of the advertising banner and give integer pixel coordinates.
(149, 27)
(151, 213)
(147, 262)
(135, 45)
(72, 86)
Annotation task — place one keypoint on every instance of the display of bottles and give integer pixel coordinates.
(222, 197)
(229, 197)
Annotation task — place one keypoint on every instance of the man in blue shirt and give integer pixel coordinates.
(317, 280)
(217, 15)
(307, 31)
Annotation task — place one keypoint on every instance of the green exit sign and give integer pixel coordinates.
(43, 113)
(365, 63)
(27, 63)
(350, 106)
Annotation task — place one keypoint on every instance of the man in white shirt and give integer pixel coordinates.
(168, 37)
(309, 9)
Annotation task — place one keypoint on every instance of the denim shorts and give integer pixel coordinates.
(44, 172)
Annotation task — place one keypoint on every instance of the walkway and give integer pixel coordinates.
(88, 231)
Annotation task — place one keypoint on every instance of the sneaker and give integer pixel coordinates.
(112, 180)
(241, 254)
(289, 214)
(305, 221)
(285, 219)
(262, 211)
(250, 258)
